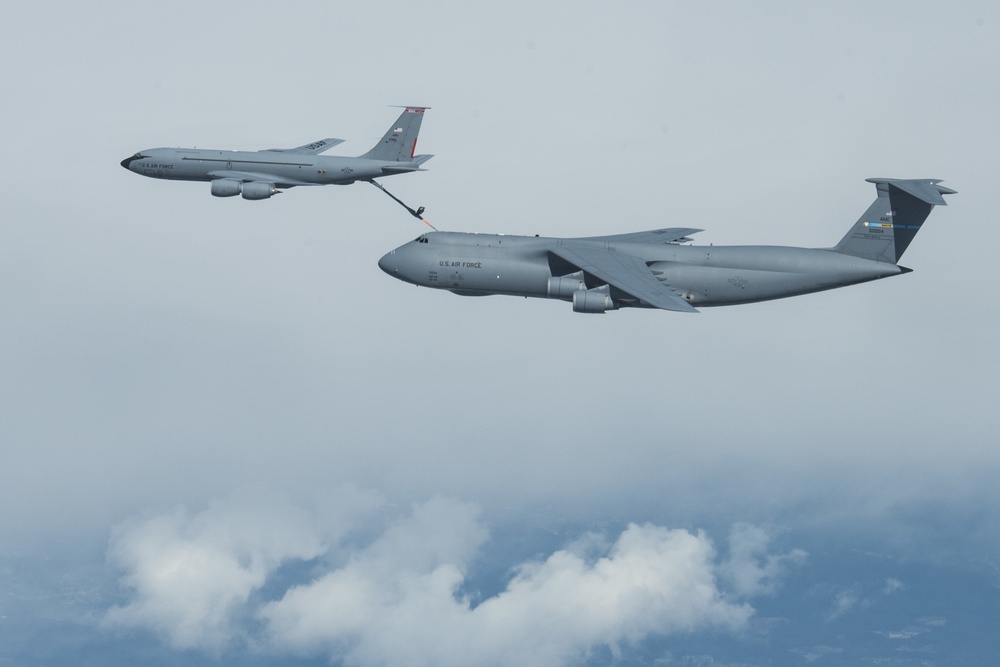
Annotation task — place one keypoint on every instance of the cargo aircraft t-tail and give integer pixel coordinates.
(654, 270)
(260, 174)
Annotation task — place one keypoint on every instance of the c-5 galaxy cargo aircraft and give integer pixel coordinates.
(260, 174)
(653, 270)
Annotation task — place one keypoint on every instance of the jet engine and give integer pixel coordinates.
(595, 300)
(258, 190)
(225, 187)
(563, 287)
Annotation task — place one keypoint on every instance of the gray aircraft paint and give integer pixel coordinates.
(261, 174)
(654, 270)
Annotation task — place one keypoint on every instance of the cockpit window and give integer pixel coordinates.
(420, 239)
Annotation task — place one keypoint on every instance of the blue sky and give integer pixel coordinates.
(229, 438)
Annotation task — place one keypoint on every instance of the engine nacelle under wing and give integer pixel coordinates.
(258, 190)
(225, 187)
(563, 287)
(596, 300)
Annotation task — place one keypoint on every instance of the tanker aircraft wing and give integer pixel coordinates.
(313, 148)
(258, 176)
(626, 273)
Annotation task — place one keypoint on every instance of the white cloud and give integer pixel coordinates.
(893, 585)
(652, 581)
(408, 576)
(750, 570)
(400, 597)
(861, 596)
(818, 652)
(845, 601)
(190, 576)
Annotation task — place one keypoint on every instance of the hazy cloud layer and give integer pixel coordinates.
(400, 597)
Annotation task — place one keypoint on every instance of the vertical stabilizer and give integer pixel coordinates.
(400, 141)
(888, 226)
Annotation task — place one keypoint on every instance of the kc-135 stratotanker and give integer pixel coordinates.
(657, 269)
(261, 174)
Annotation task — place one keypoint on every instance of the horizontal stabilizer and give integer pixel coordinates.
(926, 190)
(403, 167)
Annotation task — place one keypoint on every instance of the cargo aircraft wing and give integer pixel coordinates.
(666, 235)
(627, 273)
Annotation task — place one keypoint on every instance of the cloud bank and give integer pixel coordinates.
(376, 585)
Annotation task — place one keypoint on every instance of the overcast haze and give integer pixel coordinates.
(229, 438)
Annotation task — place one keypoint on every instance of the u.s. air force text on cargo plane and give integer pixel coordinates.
(261, 174)
(654, 270)
(464, 265)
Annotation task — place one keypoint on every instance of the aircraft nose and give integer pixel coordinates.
(386, 263)
(127, 162)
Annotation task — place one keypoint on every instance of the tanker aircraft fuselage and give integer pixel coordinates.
(260, 174)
